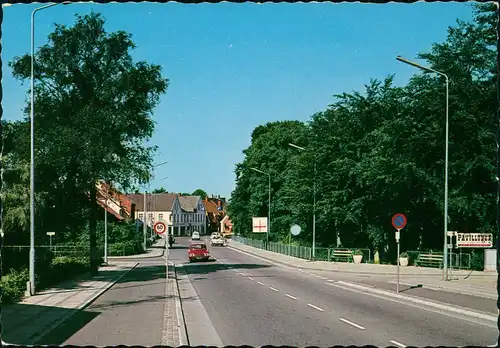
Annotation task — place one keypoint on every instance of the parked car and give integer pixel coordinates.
(198, 251)
(195, 236)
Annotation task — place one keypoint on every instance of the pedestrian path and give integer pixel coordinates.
(480, 284)
(26, 322)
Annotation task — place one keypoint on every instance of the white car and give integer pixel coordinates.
(195, 236)
(217, 241)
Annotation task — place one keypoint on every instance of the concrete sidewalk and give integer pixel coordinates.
(473, 283)
(28, 321)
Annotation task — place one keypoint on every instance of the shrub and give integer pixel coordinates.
(125, 248)
(63, 268)
(13, 285)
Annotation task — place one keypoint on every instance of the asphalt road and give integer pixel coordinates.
(247, 301)
(130, 313)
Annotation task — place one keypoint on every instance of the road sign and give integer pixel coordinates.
(51, 233)
(399, 221)
(295, 230)
(160, 227)
(259, 224)
(474, 240)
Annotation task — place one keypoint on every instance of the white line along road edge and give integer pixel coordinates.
(393, 296)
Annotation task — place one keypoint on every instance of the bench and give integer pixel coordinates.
(429, 260)
(345, 255)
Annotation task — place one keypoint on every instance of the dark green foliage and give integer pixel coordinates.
(381, 151)
(93, 118)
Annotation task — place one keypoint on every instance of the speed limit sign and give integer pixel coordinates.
(160, 227)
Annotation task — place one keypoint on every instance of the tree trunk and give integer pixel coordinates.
(94, 260)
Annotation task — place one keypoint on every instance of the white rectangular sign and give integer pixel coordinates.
(51, 233)
(259, 224)
(474, 240)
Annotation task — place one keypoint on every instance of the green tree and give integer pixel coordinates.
(159, 190)
(269, 152)
(93, 111)
(200, 192)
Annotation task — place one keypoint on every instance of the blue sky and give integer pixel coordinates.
(235, 66)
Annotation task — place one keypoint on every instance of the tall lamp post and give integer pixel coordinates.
(445, 247)
(314, 202)
(145, 226)
(32, 288)
(268, 204)
(106, 188)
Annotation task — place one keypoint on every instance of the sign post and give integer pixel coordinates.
(160, 227)
(50, 234)
(295, 231)
(398, 222)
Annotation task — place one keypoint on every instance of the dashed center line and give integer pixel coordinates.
(250, 278)
(261, 283)
(317, 308)
(323, 278)
(353, 324)
(243, 274)
(290, 296)
(399, 344)
(273, 289)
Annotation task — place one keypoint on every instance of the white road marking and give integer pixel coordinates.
(273, 289)
(396, 343)
(313, 306)
(330, 280)
(261, 283)
(292, 297)
(243, 274)
(324, 278)
(353, 324)
(234, 270)
(250, 278)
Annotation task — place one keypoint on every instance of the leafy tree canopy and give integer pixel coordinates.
(381, 151)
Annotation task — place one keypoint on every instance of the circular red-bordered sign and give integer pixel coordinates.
(399, 221)
(160, 227)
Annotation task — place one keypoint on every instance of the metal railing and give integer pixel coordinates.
(458, 260)
(300, 251)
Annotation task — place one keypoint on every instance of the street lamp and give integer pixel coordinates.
(269, 204)
(32, 288)
(314, 201)
(445, 248)
(106, 188)
(145, 227)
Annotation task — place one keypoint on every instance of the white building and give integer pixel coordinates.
(158, 208)
(188, 215)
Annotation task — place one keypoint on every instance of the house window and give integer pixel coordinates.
(150, 216)
(141, 216)
(170, 218)
(160, 217)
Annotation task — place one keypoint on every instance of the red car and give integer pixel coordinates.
(198, 251)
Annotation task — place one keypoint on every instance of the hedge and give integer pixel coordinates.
(13, 284)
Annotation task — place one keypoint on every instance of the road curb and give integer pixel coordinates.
(93, 298)
(181, 321)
